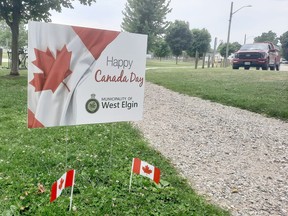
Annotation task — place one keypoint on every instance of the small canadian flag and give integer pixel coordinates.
(66, 180)
(145, 169)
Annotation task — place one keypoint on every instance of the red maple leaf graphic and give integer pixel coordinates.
(147, 170)
(61, 184)
(55, 70)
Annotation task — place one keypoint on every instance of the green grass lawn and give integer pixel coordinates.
(264, 92)
(169, 63)
(102, 156)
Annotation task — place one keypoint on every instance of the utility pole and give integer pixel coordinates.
(214, 51)
(228, 37)
(229, 28)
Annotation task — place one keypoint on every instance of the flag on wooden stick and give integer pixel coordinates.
(66, 180)
(143, 168)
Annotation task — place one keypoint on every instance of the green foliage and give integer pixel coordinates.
(178, 37)
(233, 47)
(31, 9)
(102, 156)
(146, 17)
(161, 48)
(263, 92)
(6, 36)
(200, 42)
(267, 37)
(284, 44)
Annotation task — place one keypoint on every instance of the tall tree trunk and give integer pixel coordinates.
(14, 25)
(15, 47)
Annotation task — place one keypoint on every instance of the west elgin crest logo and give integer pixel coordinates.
(92, 105)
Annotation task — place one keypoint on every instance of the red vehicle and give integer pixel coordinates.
(264, 55)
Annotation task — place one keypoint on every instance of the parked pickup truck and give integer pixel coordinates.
(264, 55)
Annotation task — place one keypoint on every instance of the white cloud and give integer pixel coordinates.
(264, 15)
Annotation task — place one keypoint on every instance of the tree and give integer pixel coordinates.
(146, 17)
(16, 11)
(161, 48)
(178, 37)
(284, 44)
(5, 36)
(233, 47)
(200, 42)
(267, 37)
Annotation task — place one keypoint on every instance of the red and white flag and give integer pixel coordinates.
(145, 169)
(66, 180)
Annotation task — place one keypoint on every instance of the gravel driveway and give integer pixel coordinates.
(235, 158)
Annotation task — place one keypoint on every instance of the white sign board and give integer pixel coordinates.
(81, 75)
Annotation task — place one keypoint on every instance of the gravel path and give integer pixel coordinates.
(235, 158)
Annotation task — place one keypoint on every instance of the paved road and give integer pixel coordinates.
(4, 60)
(284, 67)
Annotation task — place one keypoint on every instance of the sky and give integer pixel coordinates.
(213, 15)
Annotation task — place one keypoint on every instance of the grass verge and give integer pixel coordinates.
(264, 92)
(102, 156)
(169, 63)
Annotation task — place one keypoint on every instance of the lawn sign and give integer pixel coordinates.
(80, 75)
